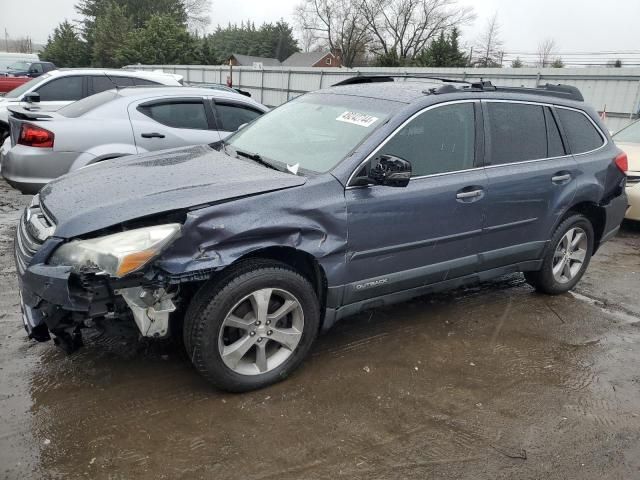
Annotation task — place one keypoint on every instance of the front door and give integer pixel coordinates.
(401, 238)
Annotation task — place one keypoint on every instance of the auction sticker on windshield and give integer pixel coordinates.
(356, 118)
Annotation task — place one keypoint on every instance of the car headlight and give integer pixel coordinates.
(118, 254)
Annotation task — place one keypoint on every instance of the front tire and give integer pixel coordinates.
(567, 257)
(253, 326)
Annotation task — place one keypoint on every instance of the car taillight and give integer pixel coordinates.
(34, 136)
(622, 163)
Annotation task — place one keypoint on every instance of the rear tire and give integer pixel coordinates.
(252, 326)
(566, 258)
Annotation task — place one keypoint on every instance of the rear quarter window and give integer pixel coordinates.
(581, 134)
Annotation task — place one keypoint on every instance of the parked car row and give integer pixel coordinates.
(58, 88)
(115, 123)
(248, 244)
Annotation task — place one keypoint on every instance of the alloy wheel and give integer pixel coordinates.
(570, 255)
(261, 331)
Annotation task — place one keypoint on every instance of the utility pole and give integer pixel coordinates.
(6, 40)
(471, 57)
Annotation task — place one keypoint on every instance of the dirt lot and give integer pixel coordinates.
(490, 382)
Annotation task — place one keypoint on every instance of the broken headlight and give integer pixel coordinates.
(120, 253)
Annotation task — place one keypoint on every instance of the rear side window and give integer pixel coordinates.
(581, 133)
(61, 89)
(231, 116)
(101, 83)
(179, 114)
(555, 145)
(439, 140)
(517, 132)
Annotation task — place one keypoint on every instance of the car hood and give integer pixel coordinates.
(633, 154)
(124, 189)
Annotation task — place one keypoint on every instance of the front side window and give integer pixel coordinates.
(439, 140)
(231, 117)
(314, 131)
(36, 68)
(25, 87)
(178, 114)
(581, 133)
(61, 89)
(517, 132)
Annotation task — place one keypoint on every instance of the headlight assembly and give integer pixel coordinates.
(118, 254)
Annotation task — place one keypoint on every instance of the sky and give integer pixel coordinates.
(575, 25)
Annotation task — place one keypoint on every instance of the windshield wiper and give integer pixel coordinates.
(256, 158)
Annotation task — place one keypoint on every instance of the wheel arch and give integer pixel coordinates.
(303, 262)
(594, 213)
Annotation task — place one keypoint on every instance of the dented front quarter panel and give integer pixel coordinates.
(312, 219)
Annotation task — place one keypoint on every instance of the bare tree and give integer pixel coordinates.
(197, 14)
(403, 28)
(546, 52)
(339, 24)
(309, 40)
(490, 44)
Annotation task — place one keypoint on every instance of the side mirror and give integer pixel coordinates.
(391, 171)
(32, 97)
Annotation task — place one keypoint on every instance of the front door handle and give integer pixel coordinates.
(470, 194)
(560, 178)
(152, 135)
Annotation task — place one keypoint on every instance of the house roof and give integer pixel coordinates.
(248, 60)
(304, 59)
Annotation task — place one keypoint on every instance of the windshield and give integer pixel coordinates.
(19, 66)
(18, 92)
(630, 134)
(315, 131)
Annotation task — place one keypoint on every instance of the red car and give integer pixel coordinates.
(9, 83)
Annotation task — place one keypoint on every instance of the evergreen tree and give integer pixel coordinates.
(162, 41)
(111, 30)
(444, 51)
(517, 63)
(65, 48)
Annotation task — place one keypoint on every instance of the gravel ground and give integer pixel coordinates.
(494, 381)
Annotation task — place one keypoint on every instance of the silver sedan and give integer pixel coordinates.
(45, 145)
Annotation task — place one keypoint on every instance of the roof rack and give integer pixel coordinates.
(390, 78)
(562, 91)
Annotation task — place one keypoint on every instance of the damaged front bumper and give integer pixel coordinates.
(57, 300)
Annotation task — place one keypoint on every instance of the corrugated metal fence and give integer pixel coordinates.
(616, 90)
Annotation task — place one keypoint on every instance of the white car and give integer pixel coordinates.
(61, 87)
(628, 139)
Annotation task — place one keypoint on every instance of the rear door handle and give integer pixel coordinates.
(152, 135)
(561, 178)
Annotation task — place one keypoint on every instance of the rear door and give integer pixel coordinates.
(532, 180)
(232, 115)
(172, 122)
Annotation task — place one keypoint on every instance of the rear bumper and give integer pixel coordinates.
(29, 169)
(633, 193)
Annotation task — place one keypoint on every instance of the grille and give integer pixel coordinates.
(34, 228)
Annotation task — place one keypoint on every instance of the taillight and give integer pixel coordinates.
(622, 163)
(34, 136)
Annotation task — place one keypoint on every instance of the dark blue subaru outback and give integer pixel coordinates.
(364, 194)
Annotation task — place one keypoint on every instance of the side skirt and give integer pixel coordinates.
(332, 315)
